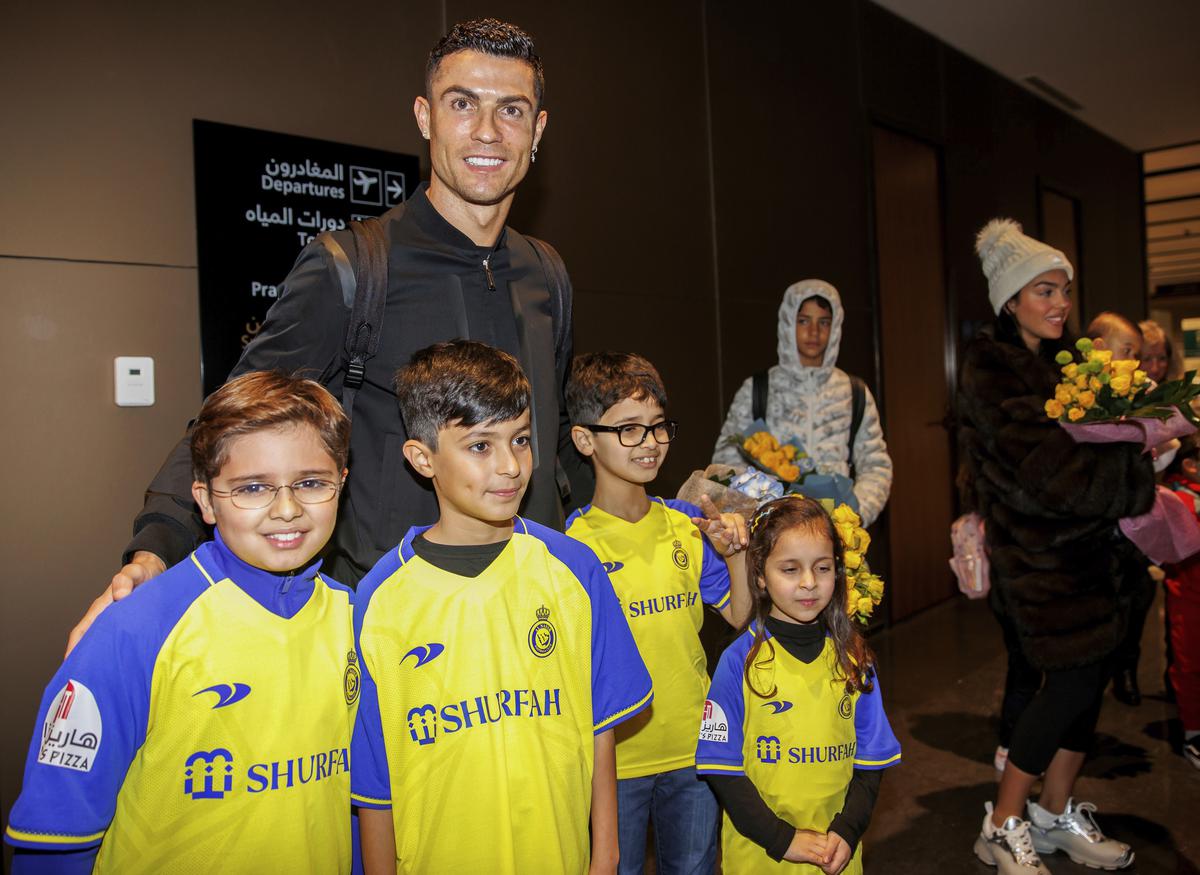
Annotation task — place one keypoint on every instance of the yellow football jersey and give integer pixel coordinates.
(664, 572)
(481, 697)
(194, 728)
(799, 747)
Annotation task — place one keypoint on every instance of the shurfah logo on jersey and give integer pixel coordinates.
(425, 721)
(767, 748)
(714, 726)
(352, 679)
(72, 730)
(208, 774)
(680, 557)
(542, 636)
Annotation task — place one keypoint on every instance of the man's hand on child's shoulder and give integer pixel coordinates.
(142, 567)
(725, 531)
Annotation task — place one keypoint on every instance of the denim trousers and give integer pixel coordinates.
(684, 812)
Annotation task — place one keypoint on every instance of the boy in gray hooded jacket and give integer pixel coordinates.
(809, 400)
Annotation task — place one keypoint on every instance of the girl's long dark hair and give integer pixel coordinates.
(854, 662)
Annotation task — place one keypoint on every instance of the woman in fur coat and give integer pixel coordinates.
(1058, 562)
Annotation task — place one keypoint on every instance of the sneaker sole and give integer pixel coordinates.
(1045, 848)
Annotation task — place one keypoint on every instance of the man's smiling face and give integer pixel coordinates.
(482, 120)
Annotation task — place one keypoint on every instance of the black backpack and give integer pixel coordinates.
(858, 403)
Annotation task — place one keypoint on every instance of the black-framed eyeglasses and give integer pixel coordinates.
(256, 496)
(631, 434)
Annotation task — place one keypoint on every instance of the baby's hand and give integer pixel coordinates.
(725, 531)
(808, 846)
(839, 854)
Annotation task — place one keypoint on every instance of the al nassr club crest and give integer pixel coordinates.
(542, 635)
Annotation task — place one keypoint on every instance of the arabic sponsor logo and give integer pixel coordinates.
(715, 725)
(424, 653)
(227, 694)
(72, 730)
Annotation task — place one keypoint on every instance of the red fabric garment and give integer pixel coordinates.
(1183, 612)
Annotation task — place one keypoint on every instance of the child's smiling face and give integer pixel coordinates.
(799, 575)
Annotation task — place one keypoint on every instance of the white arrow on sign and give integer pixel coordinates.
(395, 191)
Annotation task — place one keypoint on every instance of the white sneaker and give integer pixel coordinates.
(1008, 847)
(1075, 831)
(1000, 760)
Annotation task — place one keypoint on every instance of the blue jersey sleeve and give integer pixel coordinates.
(877, 746)
(714, 573)
(92, 721)
(722, 726)
(621, 685)
(370, 782)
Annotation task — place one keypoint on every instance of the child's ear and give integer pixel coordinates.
(420, 456)
(204, 499)
(583, 440)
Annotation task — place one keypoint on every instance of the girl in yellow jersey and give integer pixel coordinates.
(794, 737)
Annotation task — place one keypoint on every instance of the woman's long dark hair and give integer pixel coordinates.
(854, 662)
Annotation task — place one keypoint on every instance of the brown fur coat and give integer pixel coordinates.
(1060, 568)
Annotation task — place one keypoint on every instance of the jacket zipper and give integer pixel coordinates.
(487, 269)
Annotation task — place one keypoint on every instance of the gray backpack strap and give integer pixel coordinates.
(368, 286)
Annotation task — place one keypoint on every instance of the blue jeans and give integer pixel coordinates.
(684, 812)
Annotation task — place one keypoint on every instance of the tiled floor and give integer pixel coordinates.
(941, 677)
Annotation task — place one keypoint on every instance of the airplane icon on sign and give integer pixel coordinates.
(366, 185)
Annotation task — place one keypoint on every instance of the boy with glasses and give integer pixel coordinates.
(206, 719)
(664, 573)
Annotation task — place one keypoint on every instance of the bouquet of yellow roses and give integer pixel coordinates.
(864, 589)
(1119, 395)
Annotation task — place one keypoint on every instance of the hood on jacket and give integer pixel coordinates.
(796, 294)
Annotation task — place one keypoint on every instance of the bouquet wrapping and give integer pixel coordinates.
(789, 463)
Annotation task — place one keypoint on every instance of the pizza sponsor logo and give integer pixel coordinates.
(72, 730)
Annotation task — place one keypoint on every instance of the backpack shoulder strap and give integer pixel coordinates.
(364, 282)
(858, 404)
(560, 288)
(759, 388)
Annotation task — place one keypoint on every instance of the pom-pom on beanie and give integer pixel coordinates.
(1011, 259)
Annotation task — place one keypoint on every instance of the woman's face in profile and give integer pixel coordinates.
(1041, 308)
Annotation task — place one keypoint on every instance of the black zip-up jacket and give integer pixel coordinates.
(441, 286)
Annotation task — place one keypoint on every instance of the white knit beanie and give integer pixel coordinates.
(1011, 259)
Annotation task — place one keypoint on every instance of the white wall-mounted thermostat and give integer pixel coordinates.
(134, 380)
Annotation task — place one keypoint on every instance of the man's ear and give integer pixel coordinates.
(420, 456)
(583, 440)
(539, 125)
(421, 111)
(204, 499)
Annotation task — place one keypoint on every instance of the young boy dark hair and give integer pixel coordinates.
(664, 574)
(496, 661)
(206, 719)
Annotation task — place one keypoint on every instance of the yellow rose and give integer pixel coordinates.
(853, 559)
(1081, 381)
(1120, 385)
(846, 534)
(843, 513)
(861, 540)
(1054, 409)
(1087, 400)
(875, 586)
(1094, 384)
(851, 603)
(1075, 414)
(788, 472)
(1071, 371)
(1104, 356)
(1124, 366)
(1139, 378)
(1062, 395)
(865, 606)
